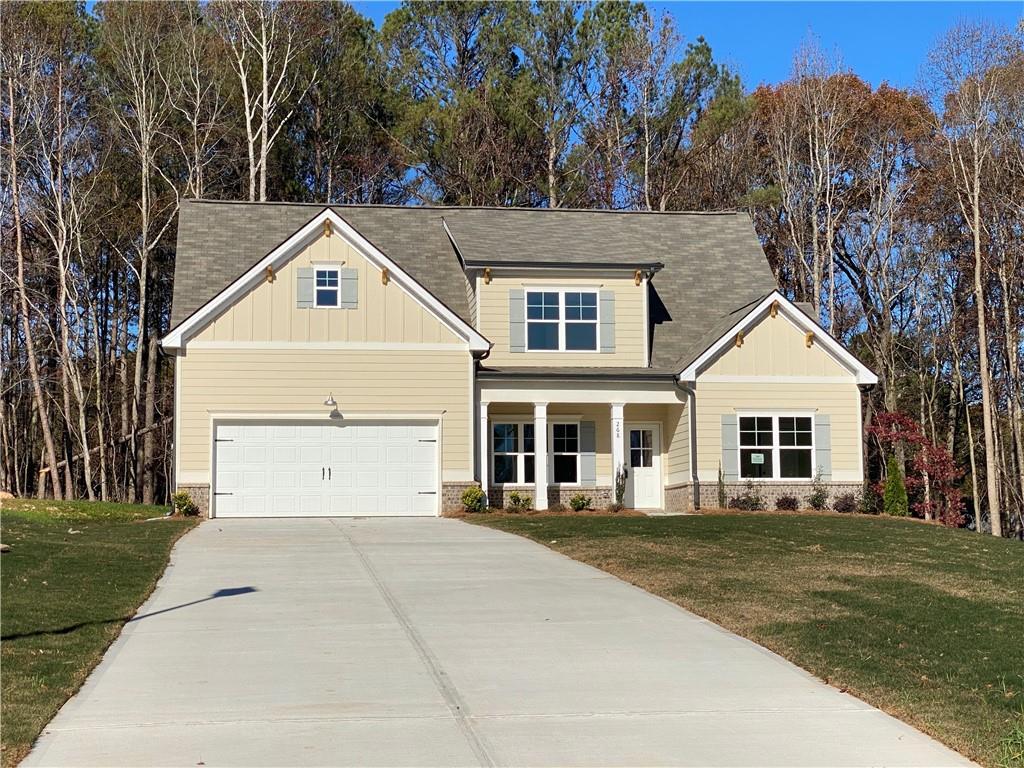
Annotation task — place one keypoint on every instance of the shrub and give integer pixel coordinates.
(894, 500)
(519, 502)
(870, 501)
(184, 505)
(818, 497)
(787, 503)
(748, 501)
(579, 502)
(847, 502)
(474, 499)
(721, 488)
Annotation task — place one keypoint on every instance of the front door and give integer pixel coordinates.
(643, 458)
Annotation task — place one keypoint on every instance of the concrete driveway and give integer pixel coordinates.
(435, 642)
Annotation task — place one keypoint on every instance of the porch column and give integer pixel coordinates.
(618, 441)
(484, 434)
(540, 462)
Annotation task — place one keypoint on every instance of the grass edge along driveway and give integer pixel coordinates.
(923, 622)
(76, 572)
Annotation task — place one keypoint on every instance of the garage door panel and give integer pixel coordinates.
(278, 469)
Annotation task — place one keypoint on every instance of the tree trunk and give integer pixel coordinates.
(148, 442)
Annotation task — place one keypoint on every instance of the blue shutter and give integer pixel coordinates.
(516, 320)
(823, 446)
(607, 321)
(348, 288)
(588, 454)
(304, 288)
(730, 449)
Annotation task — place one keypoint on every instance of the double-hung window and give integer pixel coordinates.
(559, 320)
(776, 447)
(565, 453)
(326, 291)
(513, 453)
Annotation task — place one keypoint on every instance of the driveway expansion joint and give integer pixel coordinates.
(453, 700)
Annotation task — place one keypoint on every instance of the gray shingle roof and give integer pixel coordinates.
(714, 264)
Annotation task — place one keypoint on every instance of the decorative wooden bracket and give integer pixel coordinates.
(808, 339)
(775, 308)
(270, 273)
(385, 276)
(327, 228)
(487, 275)
(739, 339)
(638, 277)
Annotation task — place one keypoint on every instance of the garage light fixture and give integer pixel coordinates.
(330, 402)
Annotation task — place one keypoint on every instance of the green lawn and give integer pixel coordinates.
(76, 571)
(924, 622)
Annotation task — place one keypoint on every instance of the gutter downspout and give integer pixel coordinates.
(691, 409)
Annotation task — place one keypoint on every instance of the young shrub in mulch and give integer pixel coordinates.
(474, 499)
(870, 501)
(579, 502)
(519, 502)
(184, 505)
(787, 503)
(846, 502)
(748, 501)
(818, 498)
(894, 500)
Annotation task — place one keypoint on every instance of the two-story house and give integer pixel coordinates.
(378, 360)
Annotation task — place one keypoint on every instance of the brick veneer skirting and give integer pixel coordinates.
(600, 497)
(451, 496)
(679, 498)
(200, 495)
(771, 492)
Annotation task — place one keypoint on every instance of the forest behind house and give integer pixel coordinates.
(897, 212)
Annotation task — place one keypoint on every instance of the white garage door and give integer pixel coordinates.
(307, 470)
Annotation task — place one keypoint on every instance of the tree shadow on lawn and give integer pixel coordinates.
(226, 592)
(951, 663)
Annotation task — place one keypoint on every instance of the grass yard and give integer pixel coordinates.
(923, 622)
(76, 571)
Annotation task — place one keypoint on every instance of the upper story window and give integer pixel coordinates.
(561, 321)
(326, 290)
(776, 447)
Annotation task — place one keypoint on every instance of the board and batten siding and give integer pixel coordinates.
(280, 381)
(630, 322)
(384, 313)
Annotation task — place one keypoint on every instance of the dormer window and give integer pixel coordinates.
(326, 292)
(561, 321)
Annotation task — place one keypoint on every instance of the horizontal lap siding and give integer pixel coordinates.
(284, 381)
(630, 323)
(677, 441)
(840, 401)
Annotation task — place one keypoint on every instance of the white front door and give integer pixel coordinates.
(643, 459)
(312, 470)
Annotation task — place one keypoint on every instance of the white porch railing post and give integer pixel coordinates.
(540, 462)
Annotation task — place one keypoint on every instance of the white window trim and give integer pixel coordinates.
(520, 452)
(336, 269)
(562, 321)
(552, 454)
(776, 448)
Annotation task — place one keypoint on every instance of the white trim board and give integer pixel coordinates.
(178, 336)
(861, 373)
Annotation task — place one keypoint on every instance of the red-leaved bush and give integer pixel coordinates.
(933, 479)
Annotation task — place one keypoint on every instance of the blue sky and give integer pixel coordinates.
(880, 41)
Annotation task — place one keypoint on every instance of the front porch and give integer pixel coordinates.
(553, 444)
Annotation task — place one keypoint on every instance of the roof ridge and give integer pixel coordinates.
(519, 209)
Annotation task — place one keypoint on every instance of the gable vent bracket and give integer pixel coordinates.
(638, 277)
(327, 228)
(739, 339)
(270, 273)
(775, 308)
(808, 339)
(385, 276)
(487, 275)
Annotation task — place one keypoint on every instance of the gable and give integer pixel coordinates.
(326, 226)
(268, 312)
(773, 346)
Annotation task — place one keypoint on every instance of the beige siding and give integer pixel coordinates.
(841, 401)
(677, 445)
(298, 380)
(775, 347)
(630, 323)
(385, 313)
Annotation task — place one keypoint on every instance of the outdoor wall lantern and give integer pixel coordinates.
(330, 402)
